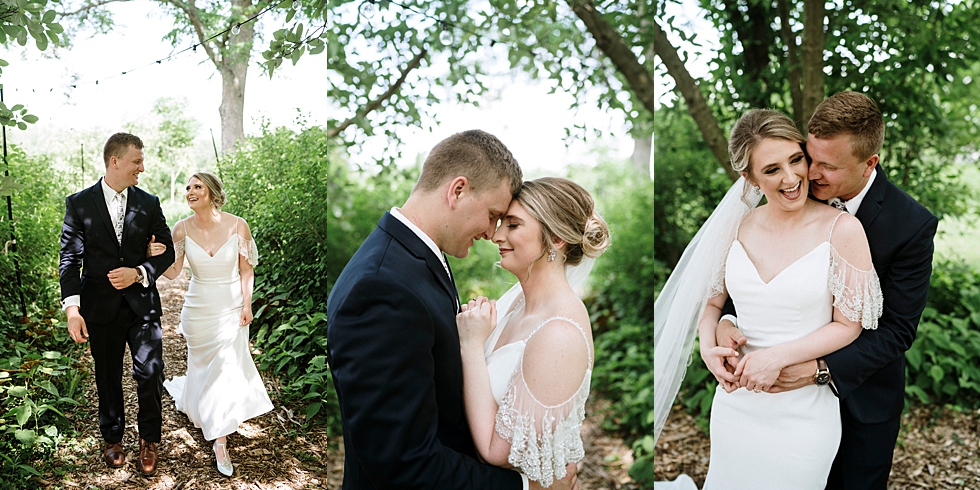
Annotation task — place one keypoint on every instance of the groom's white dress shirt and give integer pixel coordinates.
(442, 258)
(112, 205)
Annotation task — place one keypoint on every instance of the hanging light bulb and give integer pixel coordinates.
(296, 4)
(367, 9)
(235, 29)
(445, 35)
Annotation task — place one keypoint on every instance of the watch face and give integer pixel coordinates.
(822, 378)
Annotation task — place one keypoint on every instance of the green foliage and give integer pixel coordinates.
(20, 21)
(687, 183)
(39, 368)
(293, 42)
(273, 182)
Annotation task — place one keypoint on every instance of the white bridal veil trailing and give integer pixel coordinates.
(678, 308)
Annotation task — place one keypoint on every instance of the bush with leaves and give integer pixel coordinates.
(39, 368)
(275, 181)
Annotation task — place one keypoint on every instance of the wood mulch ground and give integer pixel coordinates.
(938, 448)
(272, 451)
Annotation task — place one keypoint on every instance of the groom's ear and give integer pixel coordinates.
(456, 189)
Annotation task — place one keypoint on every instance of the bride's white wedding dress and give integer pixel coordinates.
(785, 440)
(222, 387)
(543, 438)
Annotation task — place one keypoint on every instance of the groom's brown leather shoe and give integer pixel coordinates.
(148, 457)
(114, 455)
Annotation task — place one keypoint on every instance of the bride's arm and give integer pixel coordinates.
(246, 271)
(474, 324)
(712, 354)
(178, 236)
(760, 369)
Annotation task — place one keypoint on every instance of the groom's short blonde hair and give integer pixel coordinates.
(853, 114)
(477, 155)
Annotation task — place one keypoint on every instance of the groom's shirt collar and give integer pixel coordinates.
(109, 192)
(421, 234)
(854, 203)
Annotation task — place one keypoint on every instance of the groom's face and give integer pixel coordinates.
(836, 171)
(477, 218)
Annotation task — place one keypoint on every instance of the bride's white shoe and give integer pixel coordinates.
(224, 464)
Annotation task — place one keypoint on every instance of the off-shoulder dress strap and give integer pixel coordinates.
(832, 225)
(566, 319)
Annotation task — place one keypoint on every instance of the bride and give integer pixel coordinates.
(526, 375)
(801, 277)
(222, 388)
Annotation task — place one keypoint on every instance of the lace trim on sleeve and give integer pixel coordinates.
(857, 293)
(717, 285)
(543, 438)
(179, 249)
(247, 249)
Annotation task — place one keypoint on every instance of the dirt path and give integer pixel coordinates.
(937, 449)
(269, 452)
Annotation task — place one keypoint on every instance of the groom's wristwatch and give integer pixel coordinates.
(822, 376)
(139, 275)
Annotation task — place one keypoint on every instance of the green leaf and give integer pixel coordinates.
(22, 37)
(936, 373)
(17, 107)
(50, 354)
(41, 41)
(22, 414)
(19, 391)
(49, 387)
(312, 410)
(290, 14)
(49, 16)
(51, 431)
(56, 28)
(25, 436)
(22, 126)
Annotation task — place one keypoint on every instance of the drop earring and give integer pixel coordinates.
(551, 256)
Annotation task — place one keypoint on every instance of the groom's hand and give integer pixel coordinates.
(76, 325)
(122, 277)
(794, 377)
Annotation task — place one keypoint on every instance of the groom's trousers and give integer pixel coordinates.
(864, 458)
(108, 343)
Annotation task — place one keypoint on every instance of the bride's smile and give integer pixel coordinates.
(778, 167)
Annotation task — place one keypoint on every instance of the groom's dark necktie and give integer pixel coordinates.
(452, 280)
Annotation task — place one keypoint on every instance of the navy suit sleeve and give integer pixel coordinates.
(156, 266)
(905, 290)
(381, 340)
(72, 252)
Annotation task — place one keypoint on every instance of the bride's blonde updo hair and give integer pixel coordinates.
(565, 211)
(751, 129)
(215, 188)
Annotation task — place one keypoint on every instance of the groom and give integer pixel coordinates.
(108, 290)
(868, 376)
(393, 346)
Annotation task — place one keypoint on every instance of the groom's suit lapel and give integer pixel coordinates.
(132, 207)
(871, 205)
(99, 198)
(420, 250)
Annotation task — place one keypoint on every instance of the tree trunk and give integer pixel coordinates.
(611, 43)
(232, 108)
(813, 47)
(793, 61)
(696, 105)
(755, 35)
(642, 150)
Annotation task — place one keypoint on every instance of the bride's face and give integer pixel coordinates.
(197, 194)
(779, 168)
(519, 239)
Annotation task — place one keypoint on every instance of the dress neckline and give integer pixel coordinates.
(233, 235)
(780, 273)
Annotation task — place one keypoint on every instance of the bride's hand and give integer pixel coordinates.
(476, 321)
(758, 370)
(154, 248)
(246, 319)
(714, 359)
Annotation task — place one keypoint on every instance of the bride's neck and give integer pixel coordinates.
(541, 285)
(207, 218)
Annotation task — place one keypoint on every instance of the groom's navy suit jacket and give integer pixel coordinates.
(89, 251)
(393, 350)
(870, 372)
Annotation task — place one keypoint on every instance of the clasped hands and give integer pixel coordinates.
(758, 371)
(476, 321)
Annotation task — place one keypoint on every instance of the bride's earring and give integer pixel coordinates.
(551, 256)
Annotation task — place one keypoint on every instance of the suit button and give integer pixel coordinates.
(120, 259)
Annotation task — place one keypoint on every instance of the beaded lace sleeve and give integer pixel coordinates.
(247, 249)
(179, 248)
(543, 438)
(857, 293)
(717, 285)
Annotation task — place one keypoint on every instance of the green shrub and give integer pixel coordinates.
(39, 368)
(275, 181)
